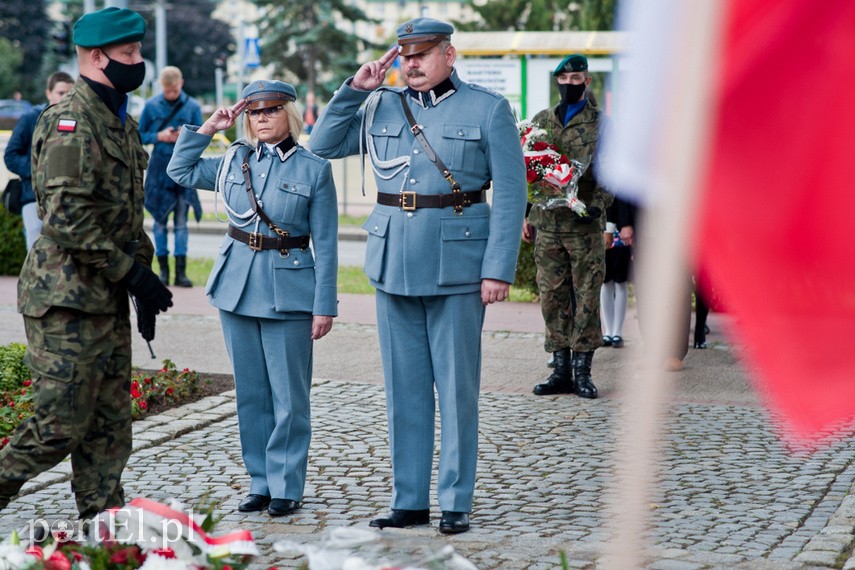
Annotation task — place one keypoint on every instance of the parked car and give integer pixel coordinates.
(11, 110)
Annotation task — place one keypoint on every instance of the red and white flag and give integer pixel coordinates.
(774, 185)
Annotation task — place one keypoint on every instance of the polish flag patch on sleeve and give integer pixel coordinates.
(67, 125)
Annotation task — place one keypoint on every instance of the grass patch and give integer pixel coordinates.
(344, 220)
(351, 279)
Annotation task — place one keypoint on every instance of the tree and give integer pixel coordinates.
(196, 41)
(26, 25)
(541, 15)
(307, 40)
(10, 58)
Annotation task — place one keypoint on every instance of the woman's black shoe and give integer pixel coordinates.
(402, 518)
(607, 340)
(700, 344)
(617, 341)
(253, 503)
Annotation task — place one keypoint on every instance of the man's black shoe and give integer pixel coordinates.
(402, 518)
(253, 503)
(282, 507)
(453, 522)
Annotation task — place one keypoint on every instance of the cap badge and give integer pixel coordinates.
(409, 28)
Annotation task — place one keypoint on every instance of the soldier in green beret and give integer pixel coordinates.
(88, 164)
(569, 248)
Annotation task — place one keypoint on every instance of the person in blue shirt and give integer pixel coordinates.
(160, 122)
(18, 150)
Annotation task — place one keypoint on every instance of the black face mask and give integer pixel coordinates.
(571, 93)
(124, 77)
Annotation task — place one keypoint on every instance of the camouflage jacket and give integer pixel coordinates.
(578, 140)
(88, 179)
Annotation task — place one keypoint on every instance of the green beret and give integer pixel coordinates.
(109, 26)
(571, 63)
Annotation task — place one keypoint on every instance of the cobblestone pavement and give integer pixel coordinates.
(730, 495)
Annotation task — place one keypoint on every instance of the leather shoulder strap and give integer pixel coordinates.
(416, 129)
(250, 193)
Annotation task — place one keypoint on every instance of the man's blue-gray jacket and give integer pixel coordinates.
(432, 251)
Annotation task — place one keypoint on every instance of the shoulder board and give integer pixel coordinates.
(66, 125)
(242, 142)
(482, 89)
(309, 154)
(391, 89)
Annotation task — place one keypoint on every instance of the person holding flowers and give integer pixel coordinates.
(569, 246)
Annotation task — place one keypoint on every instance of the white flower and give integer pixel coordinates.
(156, 562)
(13, 557)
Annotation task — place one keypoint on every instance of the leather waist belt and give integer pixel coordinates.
(257, 241)
(411, 200)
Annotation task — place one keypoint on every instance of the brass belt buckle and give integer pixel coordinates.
(255, 240)
(408, 201)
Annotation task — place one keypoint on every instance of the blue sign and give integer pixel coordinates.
(251, 53)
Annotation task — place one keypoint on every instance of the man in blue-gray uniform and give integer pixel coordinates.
(437, 252)
(160, 122)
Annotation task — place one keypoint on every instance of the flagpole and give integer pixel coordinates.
(682, 140)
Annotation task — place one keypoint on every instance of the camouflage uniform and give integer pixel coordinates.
(88, 177)
(570, 256)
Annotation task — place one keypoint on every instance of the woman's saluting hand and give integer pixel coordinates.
(222, 118)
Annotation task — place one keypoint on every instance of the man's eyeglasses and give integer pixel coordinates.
(268, 112)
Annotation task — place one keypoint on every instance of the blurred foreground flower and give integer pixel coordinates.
(142, 534)
(346, 548)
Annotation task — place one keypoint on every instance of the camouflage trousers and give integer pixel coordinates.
(81, 366)
(570, 271)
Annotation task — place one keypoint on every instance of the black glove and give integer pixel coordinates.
(594, 213)
(145, 320)
(143, 284)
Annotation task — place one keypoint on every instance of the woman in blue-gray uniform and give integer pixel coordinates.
(275, 297)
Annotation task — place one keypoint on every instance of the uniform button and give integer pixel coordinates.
(296, 262)
(416, 151)
(263, 175)
(459, 133)
(376, 228)
(467, 234)
(412, 180)
(409, 214)
(232, 177)
(384, 129)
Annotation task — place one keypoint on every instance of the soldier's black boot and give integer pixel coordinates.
(163, 262)
(582, 384)
(180, 275)
(561, 379)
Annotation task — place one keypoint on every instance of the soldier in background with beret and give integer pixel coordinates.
(569, 249)
(437, 252)
(88, 164)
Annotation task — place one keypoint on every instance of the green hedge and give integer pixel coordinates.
(13, 372)
(526, 277)
(13, 247)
